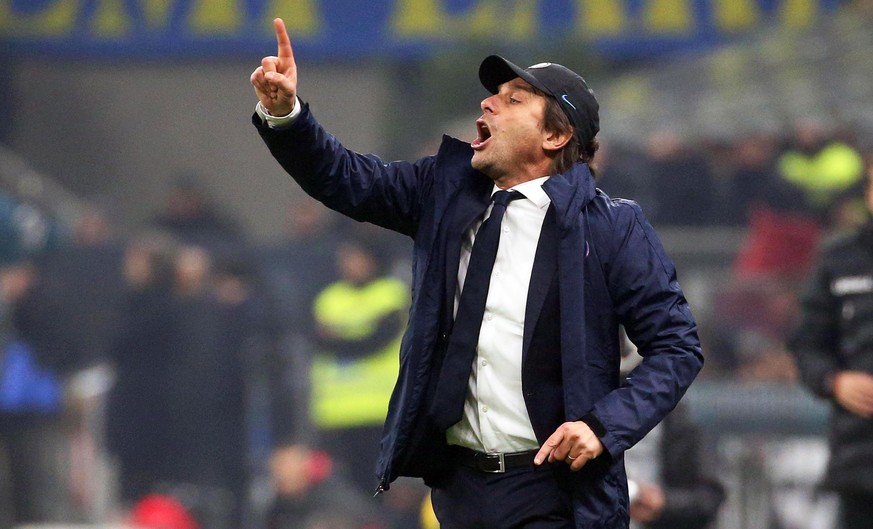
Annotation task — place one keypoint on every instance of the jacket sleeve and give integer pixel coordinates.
(650, 304)
(360, 186)
(815, 336)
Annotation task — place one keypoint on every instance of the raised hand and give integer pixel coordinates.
(275, 80)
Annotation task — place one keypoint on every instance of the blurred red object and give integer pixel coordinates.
(158, 511)
(777, 245)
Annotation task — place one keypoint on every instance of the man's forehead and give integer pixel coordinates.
(518, 84)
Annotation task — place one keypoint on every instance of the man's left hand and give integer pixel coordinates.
(573, 442)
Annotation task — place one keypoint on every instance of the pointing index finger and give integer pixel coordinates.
(282, 39)
(548, 447)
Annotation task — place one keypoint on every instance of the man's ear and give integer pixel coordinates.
(555, 140)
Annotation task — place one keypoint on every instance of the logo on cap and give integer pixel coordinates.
(567, 100)
(540, 65)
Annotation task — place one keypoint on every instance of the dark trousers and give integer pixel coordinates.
(521, 498)
(856, 511)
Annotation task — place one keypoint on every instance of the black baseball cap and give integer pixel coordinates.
(569, 88)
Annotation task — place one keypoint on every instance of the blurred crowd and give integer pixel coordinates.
(783, 193)
(222, 363)
(245, 384)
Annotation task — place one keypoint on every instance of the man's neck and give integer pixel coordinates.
(511, 180)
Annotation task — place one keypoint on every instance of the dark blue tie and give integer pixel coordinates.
(451, 390)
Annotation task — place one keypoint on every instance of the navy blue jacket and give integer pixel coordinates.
(611, 270)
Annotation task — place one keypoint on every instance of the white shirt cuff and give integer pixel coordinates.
(278, 122)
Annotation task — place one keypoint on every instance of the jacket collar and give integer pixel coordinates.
(570, 193)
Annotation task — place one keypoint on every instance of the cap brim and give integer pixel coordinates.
(495, 70)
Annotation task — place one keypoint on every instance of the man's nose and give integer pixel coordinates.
(488, 104)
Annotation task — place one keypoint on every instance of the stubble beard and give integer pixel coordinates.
(485, 166)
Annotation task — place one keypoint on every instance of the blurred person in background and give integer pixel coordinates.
(681, 181)
(824, 169)
(622, 172)
(757, 306)
(553, 456)
(35, 484)
(294, 270)
(82, 283)
(34, 448)
(192, 217)
(750, 180)
(816, 176)
(669, 486)
(136, 415)
(311, 494)
(74, 308)
(359, 320)
(833, 346)
(177, 416)
(205, 387)
(671, 481)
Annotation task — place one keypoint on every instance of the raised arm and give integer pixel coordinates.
(360, 186)
(275, 80)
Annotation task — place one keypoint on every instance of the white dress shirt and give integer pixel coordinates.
(495, 416)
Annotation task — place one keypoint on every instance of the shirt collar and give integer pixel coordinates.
(532, 190)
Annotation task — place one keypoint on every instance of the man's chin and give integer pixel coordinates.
(478, 163)
(487, 171)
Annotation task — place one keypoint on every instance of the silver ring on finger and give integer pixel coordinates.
(571, 458)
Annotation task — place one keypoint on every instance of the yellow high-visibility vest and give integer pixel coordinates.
(825, 175)
(349, 393)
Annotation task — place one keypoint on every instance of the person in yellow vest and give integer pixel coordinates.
(823, 169)
(359, 322)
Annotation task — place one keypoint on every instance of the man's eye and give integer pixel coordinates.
(513, 100)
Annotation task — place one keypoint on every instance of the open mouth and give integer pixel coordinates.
(483, 134)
